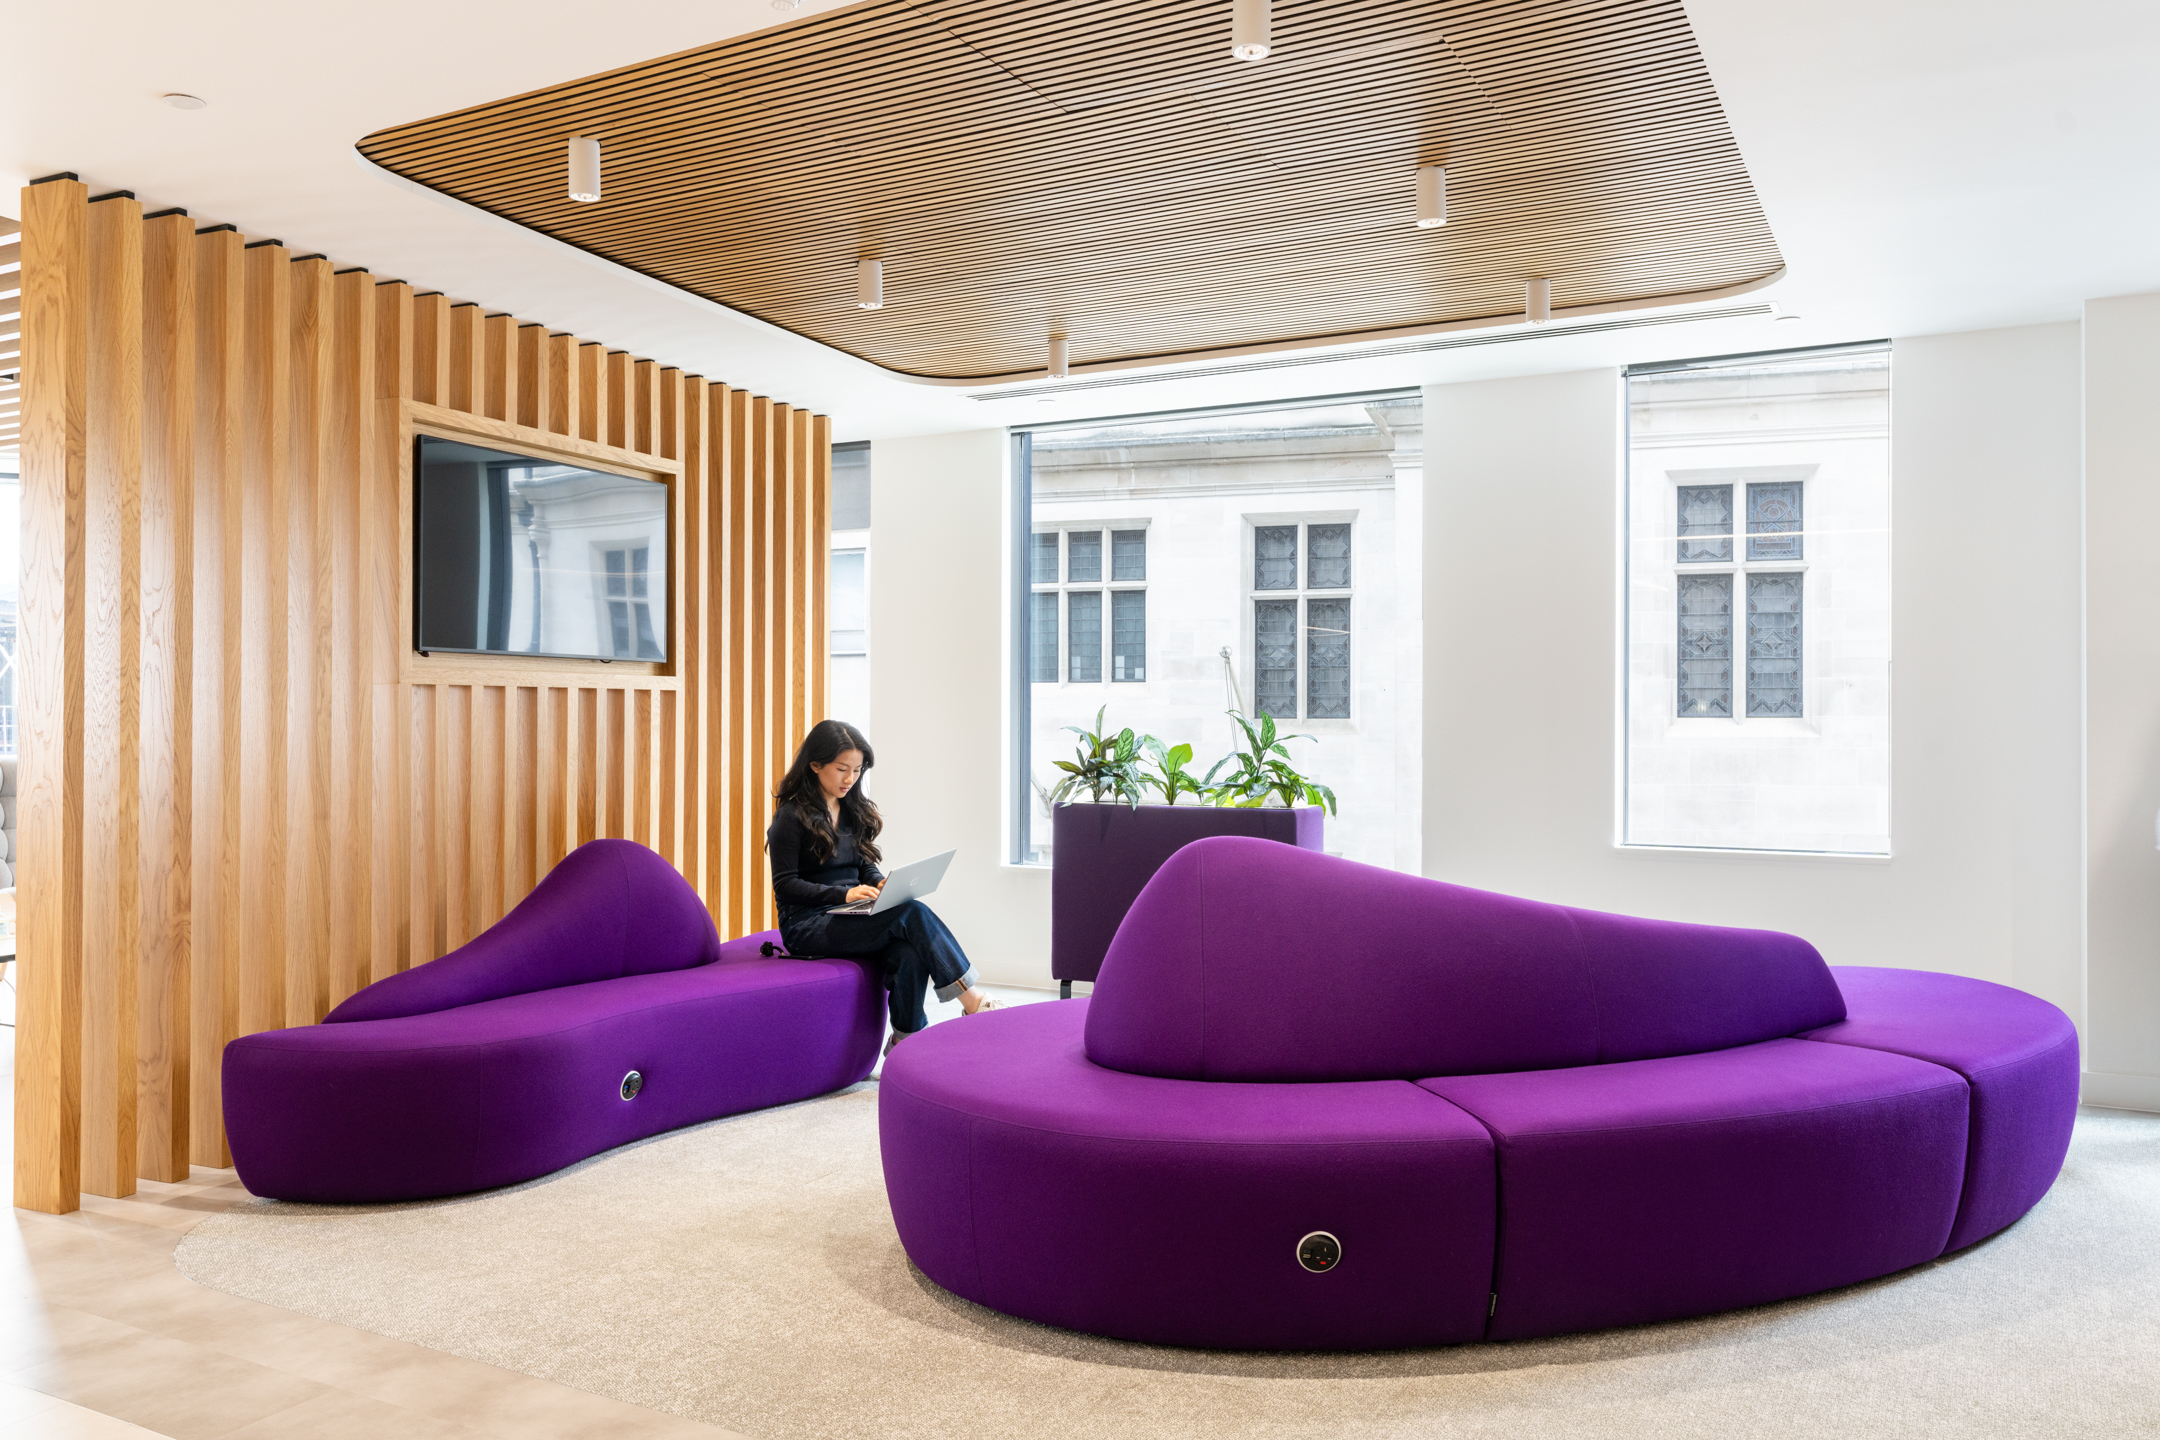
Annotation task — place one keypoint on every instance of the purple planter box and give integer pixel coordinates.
(1102, 855)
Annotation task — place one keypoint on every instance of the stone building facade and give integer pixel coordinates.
(1187, 566)
(1758, 606)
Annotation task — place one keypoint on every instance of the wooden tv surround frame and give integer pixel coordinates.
(415, 420)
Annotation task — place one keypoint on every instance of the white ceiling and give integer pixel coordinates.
(1926, 165)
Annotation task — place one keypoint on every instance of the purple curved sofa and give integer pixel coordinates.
(507, 1058)
(1514, 1118)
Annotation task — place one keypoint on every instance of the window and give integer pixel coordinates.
(850, 610)
(1079, 588)
(1168, 570)
(1301, 569)
(848, 588)
(1757, 671)
(627, 583)
(1709, 564)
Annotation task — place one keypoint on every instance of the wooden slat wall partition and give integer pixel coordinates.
(243, 795)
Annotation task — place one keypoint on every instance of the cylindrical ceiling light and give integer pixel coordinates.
(584, 168)
(1431, 196)
(1060, 354)
(1251, 29)
(1537, 300)
(869, 284)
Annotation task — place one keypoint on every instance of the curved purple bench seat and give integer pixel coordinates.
(505, 1059)
(1515, 1118)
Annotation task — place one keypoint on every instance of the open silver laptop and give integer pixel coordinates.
(909, 882)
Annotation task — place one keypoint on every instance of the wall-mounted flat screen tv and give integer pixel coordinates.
(520, 555)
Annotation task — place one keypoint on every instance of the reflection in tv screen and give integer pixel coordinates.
(517, 555)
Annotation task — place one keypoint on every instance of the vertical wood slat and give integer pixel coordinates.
(307, 660)
(820, 651)
(721, 655)
(485, 742)
(757, 678)
(421, 881)
(216, 915)
(431, 349)
(466, 390)
(112, 636)
(799, 551)
(165, 774)
(562, 381)
(736, 746)
(500, 369)
(346, 537)
(591, 392)
(535, 389)
(49, 995)
(225, 584)
(454, 810)
(392, 942)
(260, 781)
(620, 426)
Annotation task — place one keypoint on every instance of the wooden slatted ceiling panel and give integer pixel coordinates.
(220, 424)
(1105, 167)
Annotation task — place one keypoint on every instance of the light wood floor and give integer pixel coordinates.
(102, 1338)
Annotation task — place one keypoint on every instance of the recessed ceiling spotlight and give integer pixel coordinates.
(1537, 300)
(1060, 356)
(584, 168)
(185, 102)
(785, 4)
(1431, 196)
(869, 284)
(1251, 29)
(1785, 315)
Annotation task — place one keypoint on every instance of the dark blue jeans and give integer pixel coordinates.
(908, 941)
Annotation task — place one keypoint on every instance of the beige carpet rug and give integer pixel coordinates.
(746, 1273)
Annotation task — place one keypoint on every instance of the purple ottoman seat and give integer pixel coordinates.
(2017, 1053)
(1652, 1189)
(1031, 1180)
(1629, 1120)
(505, 1059)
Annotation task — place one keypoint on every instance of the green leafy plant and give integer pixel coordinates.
(1102, 763)
(1171, 777)
(1262, 768)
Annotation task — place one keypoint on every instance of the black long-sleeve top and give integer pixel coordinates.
(799, 884)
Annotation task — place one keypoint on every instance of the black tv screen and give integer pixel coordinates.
(519, 555)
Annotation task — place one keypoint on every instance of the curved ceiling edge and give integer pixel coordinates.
(1093, 367)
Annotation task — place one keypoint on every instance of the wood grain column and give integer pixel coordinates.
(214, 841)
(49, 994)
(349, 532)
(259, 783)
(163, 983)
(112, 701)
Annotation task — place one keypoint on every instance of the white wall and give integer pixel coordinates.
(2122, 598)
(1986, 874)
(940, 604)
(1520, 777)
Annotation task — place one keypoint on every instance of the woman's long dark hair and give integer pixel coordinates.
(827, 741)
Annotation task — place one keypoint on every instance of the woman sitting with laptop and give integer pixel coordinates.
(823, 846)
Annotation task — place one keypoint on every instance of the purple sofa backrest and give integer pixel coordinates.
(1247, 960)
(611, 908)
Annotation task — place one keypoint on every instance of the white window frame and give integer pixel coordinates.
(1064, 588)
(862, 548)
(1249, 627)
(1740, 567)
